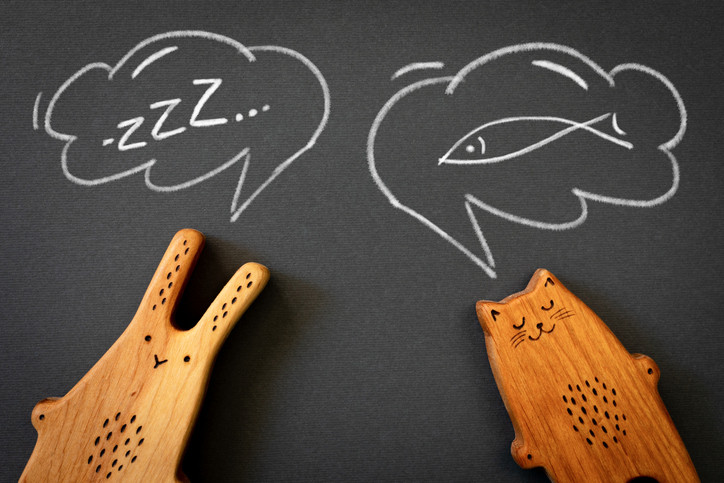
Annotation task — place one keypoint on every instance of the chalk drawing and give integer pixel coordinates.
(473, 151)
(173, 121)
(417, 66)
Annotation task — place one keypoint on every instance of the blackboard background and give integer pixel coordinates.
(363, 359)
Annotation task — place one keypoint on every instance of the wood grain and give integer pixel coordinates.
(130, 416)
(582, 407)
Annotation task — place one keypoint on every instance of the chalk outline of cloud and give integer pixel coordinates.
(488, 265)
(245, 153)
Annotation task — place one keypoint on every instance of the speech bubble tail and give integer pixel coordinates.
(239, 186)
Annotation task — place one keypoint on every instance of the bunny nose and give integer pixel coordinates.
(539, 325)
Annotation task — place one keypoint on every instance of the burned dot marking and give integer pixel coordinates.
(249, 284)
(578, 388)
(108, 475)
(118, 415)
(583, 409)
(178, 267)
(615, 440)
(115, 462)
(103, 451)
(147, 338)
(108, 436)
(588, 384)
(90, 458)
(163, 301)
(161, 292)
(613, 391)
(120, 467)
(223, 306)
(585, 399)
(41, 417)
(213, 328)
(589, 441)
(175, 259)
(123, 428)
(580, 420)
(238, 288)
(614, 403)
(98, 468)
(624, 432)
(595, 423)
(97, 441)
(170, 284)
(593, 435)
(575, 428)
(140, 442)
(224, 314)
(138, 430)
(187, 358)
(605, 400)
(105, 423)
(133, 460)
(595, 408)
(128, 440)
(115, 448)
(604, 386)
(595, 379)
(133, 418)
(570, 388)
(569, 411)
(154, 307)
(530, 456)
(248, 275)
(618, 428)
(615, 417)
(605, 445)
(603, 428)
(185, 242)
(565, 399)
(595, 393)
(624, 417)
(127, 453)
(186, 252)
(573, 401)
(216, 317)
(651, 371)
(233, 301)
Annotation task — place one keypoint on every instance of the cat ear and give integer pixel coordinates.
(490, 314)
(542, 278)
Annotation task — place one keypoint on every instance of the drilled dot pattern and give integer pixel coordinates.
(223, 312)
(599, 396)
(108, 441)
(161, 300)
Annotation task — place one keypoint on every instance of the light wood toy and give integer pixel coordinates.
(130, 416)
(582, 407)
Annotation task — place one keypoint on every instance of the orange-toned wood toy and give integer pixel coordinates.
(130, 416)
(582, 407)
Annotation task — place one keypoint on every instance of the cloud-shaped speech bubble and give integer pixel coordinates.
(529, 133)
(185, 106)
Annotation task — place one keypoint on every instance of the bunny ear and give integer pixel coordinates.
(172, 274)
(233, 300)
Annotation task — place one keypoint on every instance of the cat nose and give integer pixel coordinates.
(539, 325)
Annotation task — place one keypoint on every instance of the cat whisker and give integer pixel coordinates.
(518, 334)
(557, 312)
(565, 315)
(520, 341)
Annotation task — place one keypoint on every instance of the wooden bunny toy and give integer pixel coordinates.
(131, 415)
(582, 407)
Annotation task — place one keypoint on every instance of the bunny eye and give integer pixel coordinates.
(521, 324)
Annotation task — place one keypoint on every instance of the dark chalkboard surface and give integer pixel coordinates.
(391, 163)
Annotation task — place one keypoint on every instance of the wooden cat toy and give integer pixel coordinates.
(130, 416)
(582, 407)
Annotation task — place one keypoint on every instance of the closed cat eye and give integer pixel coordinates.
(521, 324)
(548, 308)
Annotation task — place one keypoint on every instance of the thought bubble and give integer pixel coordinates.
(183, 107)
(530, 134)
